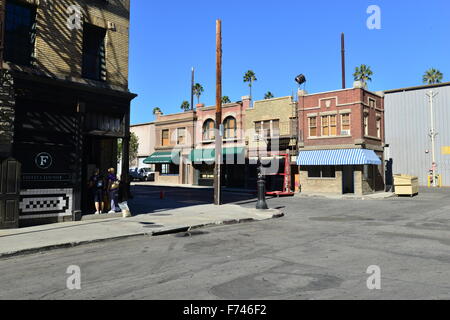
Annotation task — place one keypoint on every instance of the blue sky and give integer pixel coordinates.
(278, 40)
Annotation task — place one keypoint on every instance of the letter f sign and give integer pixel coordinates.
(374, 21)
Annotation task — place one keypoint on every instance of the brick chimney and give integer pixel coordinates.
(246, 102)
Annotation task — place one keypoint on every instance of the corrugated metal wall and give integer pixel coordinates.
(408, 125)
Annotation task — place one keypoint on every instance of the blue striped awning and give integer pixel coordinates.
(337, 157)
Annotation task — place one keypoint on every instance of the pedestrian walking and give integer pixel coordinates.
(113, 190)
(97, 187)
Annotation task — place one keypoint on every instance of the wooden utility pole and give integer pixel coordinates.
(218, 135)
(2, 32)
(343, 59)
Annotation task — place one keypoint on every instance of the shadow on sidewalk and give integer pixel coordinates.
(155, 200)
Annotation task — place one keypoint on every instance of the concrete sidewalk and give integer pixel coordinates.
(40, 238)
(373, 196)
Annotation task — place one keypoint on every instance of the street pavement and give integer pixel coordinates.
(321, 249)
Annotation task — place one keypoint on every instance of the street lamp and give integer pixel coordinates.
(433, 135)
(261, 183)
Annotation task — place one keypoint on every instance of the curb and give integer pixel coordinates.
(134, 235)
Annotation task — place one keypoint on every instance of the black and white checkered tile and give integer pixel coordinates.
(45, 203)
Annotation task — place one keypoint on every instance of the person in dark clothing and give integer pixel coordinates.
(97, 185)
(113, 190)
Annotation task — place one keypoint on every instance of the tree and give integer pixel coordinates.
(268, 95)
(156, 110)
(226, 99)
(198, 90)
(363, 73)
(250, 77)
(133, 152)
(432, 76)
(185, 106)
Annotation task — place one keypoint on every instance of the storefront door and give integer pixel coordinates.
(348, 180)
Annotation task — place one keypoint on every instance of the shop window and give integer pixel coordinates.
(312, 127)
(20, 32)
(230, 128)
(319, 172)
(181, 136)
(94, 54)
(208, 130)
(170, 168)
(165, 137)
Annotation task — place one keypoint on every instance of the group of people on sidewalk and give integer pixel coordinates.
(101, 186)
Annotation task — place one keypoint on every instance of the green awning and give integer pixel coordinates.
(163, 157)
(209, 155)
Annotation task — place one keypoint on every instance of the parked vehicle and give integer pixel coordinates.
(142, 174)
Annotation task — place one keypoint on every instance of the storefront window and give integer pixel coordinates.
(319, 172)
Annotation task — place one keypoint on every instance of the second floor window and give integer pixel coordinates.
(20, 32)
(378, 127)
(329, 126)
(312, 126)
(268, 128)
(94, 60)
(345, 124)
(230, 128)
(165, 138)
(366, 124)
(208, 130)
(181, 136)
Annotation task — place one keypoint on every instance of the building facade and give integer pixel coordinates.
(70, 101)
(173, 144)
(341, 141)
(271, 127)
(408, 128)
(146, 135)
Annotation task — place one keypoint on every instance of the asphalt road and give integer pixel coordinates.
(321, 249)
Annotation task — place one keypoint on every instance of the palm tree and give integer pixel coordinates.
(268, 95)
(363, 73)
(250, 77)
(226, 99)
(185, 106)
(157, 110)
(198, 90)
(432, 76)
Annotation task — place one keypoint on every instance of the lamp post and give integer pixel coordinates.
(261, 182)
(433, 135)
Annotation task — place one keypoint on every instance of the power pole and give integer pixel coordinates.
(2, 32)
(343, 59)
(433, 135)
(218, 135)
(192, 88)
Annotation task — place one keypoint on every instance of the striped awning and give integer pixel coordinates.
(163, 157)
(338, 157)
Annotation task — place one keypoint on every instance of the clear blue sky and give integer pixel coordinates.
(278, 40)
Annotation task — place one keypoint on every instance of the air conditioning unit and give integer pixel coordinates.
(345, 132)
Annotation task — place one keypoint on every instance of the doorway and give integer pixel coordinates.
(348, 180)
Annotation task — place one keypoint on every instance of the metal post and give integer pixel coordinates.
(433, 135)
(218, 137)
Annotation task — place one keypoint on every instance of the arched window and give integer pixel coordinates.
(229, 127)
(208, 130)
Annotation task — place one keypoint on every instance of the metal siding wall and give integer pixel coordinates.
(407, 132)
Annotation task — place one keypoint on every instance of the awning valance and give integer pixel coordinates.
(209, 155)
(338, 157)
(163, 157)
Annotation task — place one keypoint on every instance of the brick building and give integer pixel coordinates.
(70, 101)
(233, 149)
(342, 141)
(173, 145)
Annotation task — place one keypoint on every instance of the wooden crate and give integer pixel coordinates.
(406, 185)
